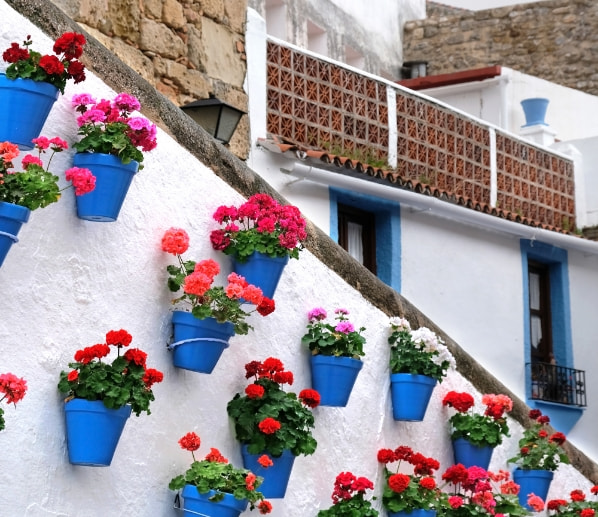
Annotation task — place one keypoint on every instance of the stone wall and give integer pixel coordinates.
(186, 49)
(555, 40)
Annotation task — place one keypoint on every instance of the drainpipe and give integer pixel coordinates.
(436, 207)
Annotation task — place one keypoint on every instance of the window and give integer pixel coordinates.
(357, 234)
(379, 223)
(316, 39)
(539, 313)
(552, 383)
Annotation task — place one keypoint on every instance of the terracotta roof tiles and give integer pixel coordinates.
(329, 161)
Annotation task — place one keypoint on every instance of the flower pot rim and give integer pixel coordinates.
(335, 358)
(47, 88)
(414, 376)
(14, 211)
(85, 155)
(179, 316)
(80, 403)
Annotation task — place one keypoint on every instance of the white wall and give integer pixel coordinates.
(67, 282)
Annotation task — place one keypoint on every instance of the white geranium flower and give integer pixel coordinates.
(398, 323)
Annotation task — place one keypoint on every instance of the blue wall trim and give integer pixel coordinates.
(388, 230)
(563, 417)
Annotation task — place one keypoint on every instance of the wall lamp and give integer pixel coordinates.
(216, 117)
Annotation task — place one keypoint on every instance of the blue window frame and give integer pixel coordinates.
(387, 227)
(555, 263)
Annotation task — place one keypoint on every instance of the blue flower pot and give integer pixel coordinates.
(12, 217)
(25, 106)
(113, 179)
(413, 513)
(469, 454)
(535, 482)
(195, 503)
(534, 110)
(93, 431)
(198, 344)
(410, 395)
(262, 271)
(276, 477)
(333, 378)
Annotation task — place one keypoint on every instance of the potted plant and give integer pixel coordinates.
(213, 484)
(13, 390)
(475, 435)
(214, 313)
(475, 492)
(270, 421)
(112, 146)
(577, 506)
(415, 494)
(32, 82)
(540, 454)
(261, 235)
(102, 395)
(33, 188)
(418, 360)
(336, 350)
(348, 497)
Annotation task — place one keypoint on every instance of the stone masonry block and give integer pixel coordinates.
(156, 37)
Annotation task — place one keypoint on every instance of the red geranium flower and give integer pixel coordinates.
(269, 425)
(190, 442)
(311, 398)
(398, 482)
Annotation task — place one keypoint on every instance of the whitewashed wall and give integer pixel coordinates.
(69, 281)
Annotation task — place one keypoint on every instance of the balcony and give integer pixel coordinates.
(553, 383)
(314, 103)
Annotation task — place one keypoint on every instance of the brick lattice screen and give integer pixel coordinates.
(317, 104)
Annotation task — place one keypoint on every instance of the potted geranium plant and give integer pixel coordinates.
(13, 390)
(32, 188)
(416, 493)
(336, 350)
(578, 505)
(214, 482)
(475, 435)
(269, 420)
(112, 146)
(540, 454)
(418, 360)
(475, 492)
(32, 82)
(348, 497)
(261, 235)
(214, 313)
(102, 395)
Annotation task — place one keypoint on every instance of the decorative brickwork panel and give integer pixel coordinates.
(451, 152)
(332, 108)
(535, 183)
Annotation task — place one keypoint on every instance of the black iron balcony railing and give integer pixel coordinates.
(553, 383)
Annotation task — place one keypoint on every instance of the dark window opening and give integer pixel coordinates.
(357, 234)
(540, 317)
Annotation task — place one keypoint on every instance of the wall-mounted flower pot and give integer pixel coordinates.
(469, 454)
(25, 106)
(534, 110)
(93, 431)
(113, 179)
(333, 378)
(195, 503)
(12, 217)
(262, 271)
(418, 512)
(535, 482)
(410, 395)
(198, 344)
(276, 477)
